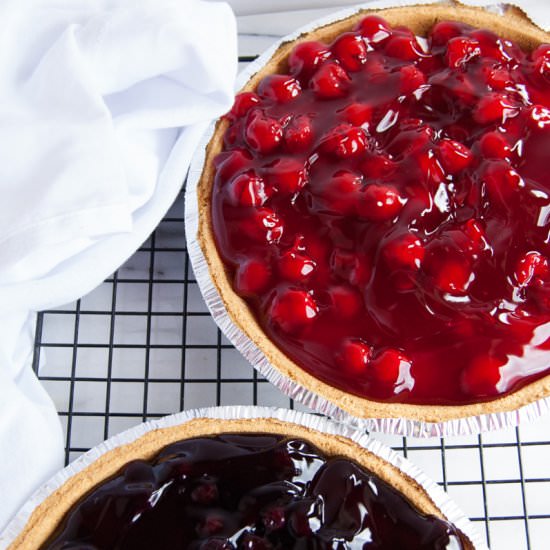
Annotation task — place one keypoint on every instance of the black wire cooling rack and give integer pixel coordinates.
(143, 345)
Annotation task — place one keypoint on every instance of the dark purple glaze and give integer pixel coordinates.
(253, 492)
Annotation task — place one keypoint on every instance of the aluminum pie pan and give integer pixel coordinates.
(399, 426)
(316, 423)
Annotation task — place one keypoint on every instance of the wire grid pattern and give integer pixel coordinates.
(143, 345)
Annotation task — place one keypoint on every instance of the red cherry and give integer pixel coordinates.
(404, 252)
(541, 59)
(252, 277)
(403, 45)
(330, 81)
(494, 145)
(417, 126)
(295, 266)
(476, 235)
(243, 103)
(342, 262)
(279, 87)
(462, 90)
(344, 141)
(430, 167)
(350, 266)
(491, 46)
(233, 135)
(262, 225)
(453, 276)
(262, 133)
(540, 116)
(380, 202)
(354, 355)
(542, 51)
(540, 295)
(357, 114)
(293, 309)
(402, 281)
(318, 249)
(456, 132)
(287, 175)
(229, 163)
(460, 50)
(430, 63)
(411, 79)
(481, 377)
(389, 366)
(497, 77)
(501, 180)
(351, 51)
(373, 28)
(346, 301)
(306, 57)
(444, 31)
(494, 107)
(414, 136)
(377, 166)
(453, 156)
(375, 69)
(340, 193)
(531, 266)
(247, 189)
(298, 133)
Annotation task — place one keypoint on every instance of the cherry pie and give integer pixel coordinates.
(375, 212)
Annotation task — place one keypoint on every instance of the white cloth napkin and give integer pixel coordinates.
(31, 440)
(102, 103)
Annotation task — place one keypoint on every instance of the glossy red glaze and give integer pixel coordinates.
(399, 199)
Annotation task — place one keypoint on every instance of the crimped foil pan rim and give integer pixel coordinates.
(318, 423)
(399, 426)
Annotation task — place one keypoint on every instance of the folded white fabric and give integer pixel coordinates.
(31, 440)
(101, 106)
(93, 94)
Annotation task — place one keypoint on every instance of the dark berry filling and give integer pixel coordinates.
(253, 492)
(384, 208)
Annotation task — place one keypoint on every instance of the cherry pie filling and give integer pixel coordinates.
(248, 492)
(384, 208)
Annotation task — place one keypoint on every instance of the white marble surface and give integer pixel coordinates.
(113, 371)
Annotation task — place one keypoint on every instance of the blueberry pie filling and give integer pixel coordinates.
(253, 492)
